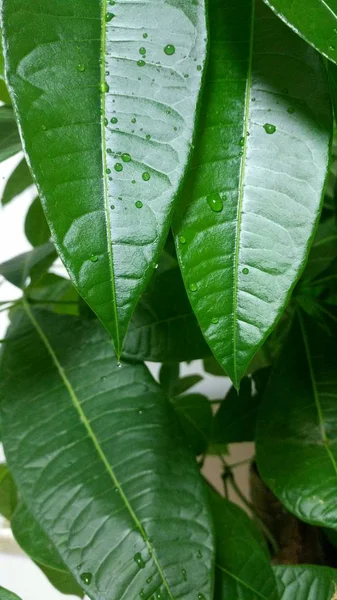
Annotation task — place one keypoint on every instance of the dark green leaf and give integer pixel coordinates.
(101, 463)
(19, 180)
(212, 366)
(169, 377)
(30, 264)
(103, 103)
(8, 493)
(243, 569)
(195, 414)
(314, 20)
(296, 430)
(54, 293)
(37, 545)
(10, 142)
(6, 595)
(306, 583)
(253, 194)
(323, 250)
(36, 227)
(185, 383)
(235, 420)
(4, 95)
(163, 327)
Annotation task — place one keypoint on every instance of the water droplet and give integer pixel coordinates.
(215, 202)
(118, 167)
(112, 206)
(201, 597)
(184, 574)
(109, 16)
(142, 594)
(156, 266)
(148, 137)
(126, 157)
(86, 578)
(139, 560)
(242, 141)
(109, 151)
(119, 364)
(215, 321)
(140, 412)
(133, 181)
(106, 122)
(291, 110)
(142, 51)
(116, 490)
(199, 67)
(139, 204)
(145, 35)
(134, 120)
(44, 127)
(182, 239)
(199, 555)
(108, 171)
(149, 579)
(269, 128)
(241, 153)
(104, 88)
(81, 68)
(114, 120)
(169, 49)
(141, 63)
(332, 48)
(158, 595)
(193, 287)
(94, 258)
(245, 271)
(146, 176)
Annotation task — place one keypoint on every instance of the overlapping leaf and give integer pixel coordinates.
(254, 190)
(106, 96)
(10, 143)
(101, 463)
(6, 595)
(306, 583)
(19, 181)
(296, 432)
(29, 264)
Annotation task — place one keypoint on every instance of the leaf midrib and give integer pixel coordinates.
(105, 179)
(240, 198)
(94, 440)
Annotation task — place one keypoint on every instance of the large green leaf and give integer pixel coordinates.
(314, 20)
(34, 264)
(306, 583)
(106, 98)
(6, 595)
(100, 461)
(296, 430)
(254, 190)
(243, 568)
(19, 180)
(10, 143)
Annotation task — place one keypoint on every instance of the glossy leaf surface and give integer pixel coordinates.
(296, 430)
(254, 190)
(314, 20)
(36, 227)
(106, 99)
(19, 180)
(101, 462)
(10, 143)
(306, 582)
(243, 568)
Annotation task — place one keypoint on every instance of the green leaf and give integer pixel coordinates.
(169, 377)
(163, 327)
(37, 545)
(243, 568)
(106, 97)
(10, 142)
(195, 414)
(100, 461)
(306, 582)
(254, 190)
(235, 421)
(323, 250)
(6, 595)
(54, 293)
(8, 493)
(34, 264)
(36, 227)
(296, 429)
(19, 180)
(314, 20)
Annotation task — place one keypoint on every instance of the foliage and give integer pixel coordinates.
(184, 158)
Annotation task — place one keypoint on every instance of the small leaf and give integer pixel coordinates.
(18, 182)
(34, 264)
(100, 461)
(235, 421)
(6, 595)
(8, 493)
(296, 430)
(243, 568)
(107, 108)
(244, 229)
(10, 142)
(195, 414)
(306, 582)
(314, 20)
(36, 227)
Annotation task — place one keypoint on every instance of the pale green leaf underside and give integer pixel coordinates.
(296, 432)
(306, 582)
(6, 595)
(261, 161)
(107, 114)
(100, 461)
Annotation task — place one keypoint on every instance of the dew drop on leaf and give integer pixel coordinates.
(145, 35)
(109, 16)
(94, 258)
(126, 157)
(114, 120)
(142, 51)
(169, 49)
(215, 202)
(86, 578)
(139, 560)
(215, 321)
(146, 176)
(201, 597)
(139, 204)
(242, 141)
(118, 167)
(141, 63)
(245, 271)
(81, 68)
(184, 574)
(269, 128)
(199, 555)
(291, 110)
(104, 87)
(193, 287)
(182, 239)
